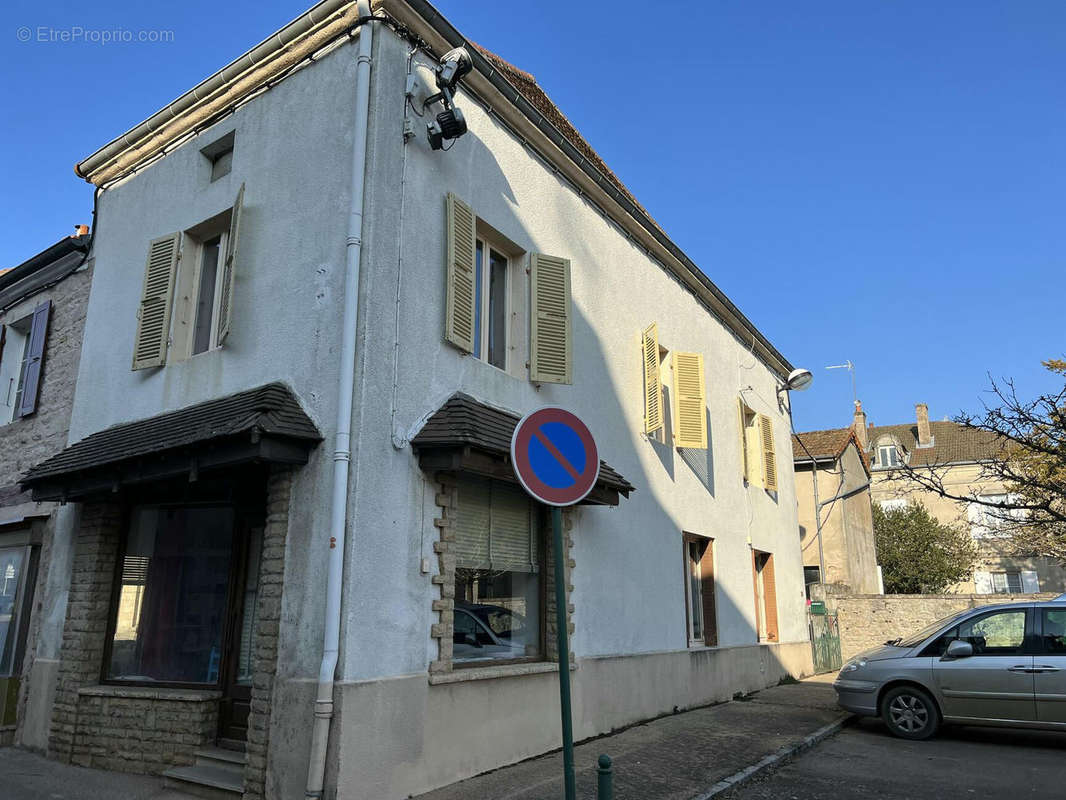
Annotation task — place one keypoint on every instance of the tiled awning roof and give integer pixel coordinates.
(465, 422)
(264, 424)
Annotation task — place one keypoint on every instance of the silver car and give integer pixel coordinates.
(996, 665)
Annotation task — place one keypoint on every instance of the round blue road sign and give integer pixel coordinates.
(555, 456)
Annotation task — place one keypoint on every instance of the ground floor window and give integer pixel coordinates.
(699, 591)
(14, 583)
(765, 596)
(171, 606)
(499, 593)
(1007, 582)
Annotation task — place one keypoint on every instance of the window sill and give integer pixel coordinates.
(490, 673)
(151, 693)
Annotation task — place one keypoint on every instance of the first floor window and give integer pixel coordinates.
(208, 297)
(172, 595)
(699, 591)
(1007, 582)
(13, 355)
(490, 305)
(498, 587)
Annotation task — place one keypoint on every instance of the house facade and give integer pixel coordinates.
(42, 310)
(957, 455)
(833, 481)
(509, 271)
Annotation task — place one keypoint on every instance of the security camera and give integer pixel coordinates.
(449, 123)
(453, 66)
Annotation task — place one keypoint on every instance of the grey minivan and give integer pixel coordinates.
(996, 665)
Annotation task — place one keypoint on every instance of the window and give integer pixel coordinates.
(765, 596)
(490, 305)
(894, 504)
(171, 603)
(699, 591)
(888, 456)
(498, 587)
(758, 453)
(220, 155)
(1007, 582)
(748, 449)
(22, 351)
(988, 522)
(13, 562)
(1054, 630)
(1002, 633)
(208, 296)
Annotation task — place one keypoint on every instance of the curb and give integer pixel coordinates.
(774, 759)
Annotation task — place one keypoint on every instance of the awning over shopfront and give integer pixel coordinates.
(260, 425)
(465, 435)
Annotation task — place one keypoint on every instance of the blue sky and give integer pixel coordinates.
(869, 181)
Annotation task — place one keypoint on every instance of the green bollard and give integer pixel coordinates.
(604, 779)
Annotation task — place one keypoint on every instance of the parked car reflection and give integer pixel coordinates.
(486, 632)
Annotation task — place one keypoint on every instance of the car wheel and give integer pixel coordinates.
(910, 713)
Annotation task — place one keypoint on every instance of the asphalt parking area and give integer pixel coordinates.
(865, 761)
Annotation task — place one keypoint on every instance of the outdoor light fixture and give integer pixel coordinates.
(449, 123)
(798, 380)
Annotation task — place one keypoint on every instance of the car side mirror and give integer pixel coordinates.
(959, 649)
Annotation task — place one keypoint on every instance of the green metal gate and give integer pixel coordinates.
(825, 639)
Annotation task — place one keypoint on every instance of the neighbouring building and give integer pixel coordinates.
(958, 455)
(42, 310)
(832, 471)
(507, 271)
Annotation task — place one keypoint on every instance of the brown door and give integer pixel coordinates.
(237, 665)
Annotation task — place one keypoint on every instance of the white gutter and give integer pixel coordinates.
(342, 454)
(262, 52)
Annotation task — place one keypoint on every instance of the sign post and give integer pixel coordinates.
(556, 461)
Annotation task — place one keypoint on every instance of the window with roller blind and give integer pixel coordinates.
(499, 553)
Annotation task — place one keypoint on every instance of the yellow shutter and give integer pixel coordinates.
(653, 387)
(550, 347)
(689, 401)
(460, 274)
(229, 268)
(745, 469)
(153, 316)
(769, 457)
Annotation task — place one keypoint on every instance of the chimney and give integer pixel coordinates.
(859, 424)
(925, 435)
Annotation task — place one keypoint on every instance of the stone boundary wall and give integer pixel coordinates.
(866, 621)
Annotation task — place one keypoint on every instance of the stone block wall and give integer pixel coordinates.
(268, 618)
(870, 620)
(140, 729)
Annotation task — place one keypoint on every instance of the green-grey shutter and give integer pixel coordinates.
(229, 268)
(35, 346)
(460, 274)
(153, 316)
(550, 345)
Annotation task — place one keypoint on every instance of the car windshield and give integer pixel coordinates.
(917, 638)
(501, 621)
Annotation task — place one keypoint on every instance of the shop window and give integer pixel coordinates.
(499, 599)
(171, 601)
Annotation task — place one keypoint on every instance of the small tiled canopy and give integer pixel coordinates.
(465, 435)
(265, 424)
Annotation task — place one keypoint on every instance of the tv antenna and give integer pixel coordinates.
(851, 369)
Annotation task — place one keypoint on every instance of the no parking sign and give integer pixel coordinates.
(554, 456)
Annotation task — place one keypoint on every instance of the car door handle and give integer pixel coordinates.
(1045, 668)
(1019, 668)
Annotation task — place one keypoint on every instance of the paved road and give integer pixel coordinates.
(865, 761)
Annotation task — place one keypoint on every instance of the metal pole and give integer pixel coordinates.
(604, 779)
(561, 637)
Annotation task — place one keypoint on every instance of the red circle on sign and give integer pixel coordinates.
(527, 431)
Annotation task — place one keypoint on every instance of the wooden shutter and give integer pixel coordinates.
(710, 620)
(745, 470)
(689, 401)
(769, 596)
(769, 456)
(1030, 581)
(153, 317)
(35, 346)
(550, 347)
(653, 387)
(460, 274)
(982, 582)
(229, 268)
(755, 588)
